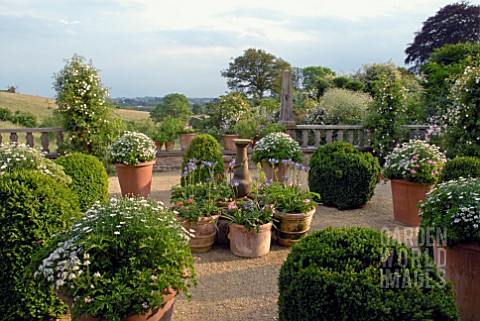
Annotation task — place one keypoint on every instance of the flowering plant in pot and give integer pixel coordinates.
(272, 149)
(412, 168)
(120, 259)
(451, 213)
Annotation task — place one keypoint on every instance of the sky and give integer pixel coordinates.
(158, 47)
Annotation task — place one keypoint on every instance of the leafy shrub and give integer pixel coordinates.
(462, 136)
(89, 178)
(361, 274)
(462, 166)
(204, 147)
(14, 157)
(33, 207)
(228, 110)
(5, 114)
(343, 176)
(26, 119)
(315, 116)
(344, 106)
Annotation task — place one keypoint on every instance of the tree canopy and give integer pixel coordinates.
(173, 105)
(256, 73)
(454, 23)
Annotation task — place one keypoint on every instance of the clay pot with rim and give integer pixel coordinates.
(185, 140)
(169, 146)
(221, 237)
(204, 230)
(276, 173)
(135, 179)
(461, 264)
(158, 144)
(291, 227)
(228, 143)
(250, 243)
(406, 196)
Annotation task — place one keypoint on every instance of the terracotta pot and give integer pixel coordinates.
(169, 146)
(221, 237)
(251, 243)
(161, 313)
(406, 196)
(290, 227)
(135, 179)
(158, 144)
(462, 266)
(204, 230)
(277, 173)
(228, 143)
(185, 140)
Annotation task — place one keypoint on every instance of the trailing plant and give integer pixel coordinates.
(361, 273)
(343, 176)
(227, 110)
(118, 259)
(33, 207)
(462, 166)
(89, 178)
(131, 149)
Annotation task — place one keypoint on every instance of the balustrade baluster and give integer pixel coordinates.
(44, 139)
(29, 138)
(304, 138)
(13, 137)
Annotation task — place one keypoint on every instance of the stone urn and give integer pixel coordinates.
(241, 173)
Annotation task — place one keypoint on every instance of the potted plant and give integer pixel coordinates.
(452, 213)
(168, 131)
(186, 136)
(272, 149)
(230, 132)
(133, 155)
(413, 168)
(294, 205)
(250, 227)
(128, 257)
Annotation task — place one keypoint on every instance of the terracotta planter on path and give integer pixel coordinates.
(204, 230)
(135, 179)
(291, 227)
(406, 196)
(251, 243)
(185, 140)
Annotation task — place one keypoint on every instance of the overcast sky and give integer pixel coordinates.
(157, 47)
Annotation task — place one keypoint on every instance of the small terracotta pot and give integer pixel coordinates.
(251, 243)
(406, 196)
(204, 230)
(462, 266)
(169, 146)
(290, 227)
(135, 179)
(228, 143)
(221, 237)
(158, 144)
(185, 140)
(277, 173)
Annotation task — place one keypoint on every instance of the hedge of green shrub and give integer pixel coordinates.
(204, 147)
(361, 274)
(33, 207)
(462, 166)
(89, 178)
(343, 176)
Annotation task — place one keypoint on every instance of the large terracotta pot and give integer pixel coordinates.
(161, 313)
(185, 140)
(251, 243)
(406, 196)
(276, 173)
(462, 266)
(228, 143)
(135, 179)
(204, 233)
(290, 227)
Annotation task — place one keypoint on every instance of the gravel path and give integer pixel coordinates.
(232, 288)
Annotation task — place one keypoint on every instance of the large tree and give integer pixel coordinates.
(173, 105)
(454, 23)
(256, 73)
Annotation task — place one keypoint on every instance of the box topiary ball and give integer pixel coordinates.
(361, 274)
(462, 166)
(343, 176)
(89, 178)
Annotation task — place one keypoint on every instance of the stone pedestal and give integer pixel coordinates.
(241, 173)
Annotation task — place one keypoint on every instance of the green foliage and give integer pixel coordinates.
(453, 208)
(89, 178)
(462, 136)
(344, 107)
(256, 73)
(204, 147)
(173, 105)
(5, 114)
(144, 126)
(227, 110)
(22, 118)
(250, 213)
(362, 274)
(82, 104)
(343, 176)
(461, 166)
(33, 207)
(316, 79)
(168, 129)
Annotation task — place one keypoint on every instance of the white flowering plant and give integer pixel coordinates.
(118, 259)
(415, 161)
(454, 207)
(278, 146)
(15, 156)
(132, 148)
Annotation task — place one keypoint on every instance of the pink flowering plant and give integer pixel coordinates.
(288, 196)
(118, 259)
(415, 161)
(251, 213)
